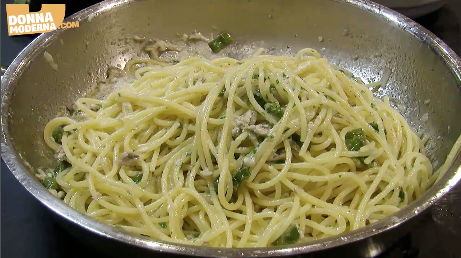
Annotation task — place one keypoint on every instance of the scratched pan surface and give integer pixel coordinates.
(360, 36)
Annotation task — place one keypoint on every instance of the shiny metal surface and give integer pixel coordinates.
(412, 8)
(358, 35)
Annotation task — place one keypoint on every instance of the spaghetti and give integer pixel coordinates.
(265, 151)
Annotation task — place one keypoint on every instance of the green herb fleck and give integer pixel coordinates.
(290, 236)
(259, 98)
(270, 136)
(222, 116)
(272, 89)
(274, 108)
(57, 134)
(137, 178)
(355, 139)
(215, 184)
(233, 199)
(50, 183)
(297, 139)
(401, 194)
(220, 42)
(284, 75)
(221, 94)
(375, 126)
(340, 176)
(373, 106)
(62, 165)
(162, 224)
(255, 76)
(71, 111)
(240, 176)
(277, 81)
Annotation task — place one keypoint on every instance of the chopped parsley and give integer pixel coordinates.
(162, 224)
(57, 134)
(220, 42)
(274, 108)
(50, 183)
(215, 184)
(71, 111)
(289, 236)
(297, 139)
(355, 139)
(137, 178)
(401, 194)
(259, 98)
(221, 94)
(375, 126)
(240, 176)
(62, 165)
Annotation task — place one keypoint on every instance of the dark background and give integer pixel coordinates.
(29, 230)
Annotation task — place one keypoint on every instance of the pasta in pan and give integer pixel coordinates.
(263, 151)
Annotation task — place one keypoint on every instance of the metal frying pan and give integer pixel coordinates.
(360, 36)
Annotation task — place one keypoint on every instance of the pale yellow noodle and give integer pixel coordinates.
(179, 122)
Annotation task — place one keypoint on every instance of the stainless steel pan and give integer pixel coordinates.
(357, 35)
